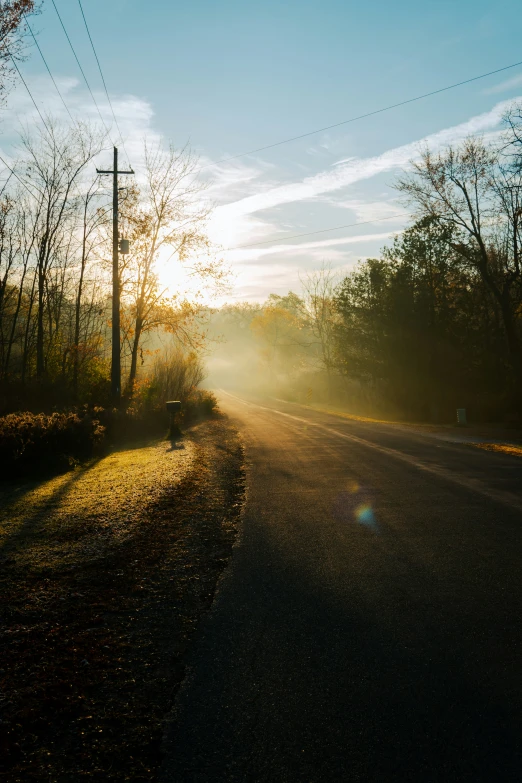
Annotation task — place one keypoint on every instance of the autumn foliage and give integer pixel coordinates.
(30, 442)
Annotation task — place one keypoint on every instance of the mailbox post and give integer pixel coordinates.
(174, 407)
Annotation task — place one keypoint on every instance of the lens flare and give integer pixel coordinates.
(355, 504)
(364, 514)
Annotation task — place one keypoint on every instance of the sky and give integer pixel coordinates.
(232, 76)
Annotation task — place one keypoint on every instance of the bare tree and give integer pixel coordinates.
(55, 159)
(23, 230)
(54, 287)
(13, 29)
(471, 189)
(94, 216)
(8, 255)
(318, 289)
(167, 212)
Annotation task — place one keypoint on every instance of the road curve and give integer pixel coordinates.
(368, 628)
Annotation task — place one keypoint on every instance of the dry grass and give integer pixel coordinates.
(104, 575)
(103, 498)
(495, 431)
(353, 417)
(501, 448)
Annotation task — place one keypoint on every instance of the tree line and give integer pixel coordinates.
(55, 250)
(55, 247)
(434, 323)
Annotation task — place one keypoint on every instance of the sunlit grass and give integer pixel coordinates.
(46, 521)
(502, 448)
(354, 417)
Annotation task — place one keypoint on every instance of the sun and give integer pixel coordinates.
(175, 278)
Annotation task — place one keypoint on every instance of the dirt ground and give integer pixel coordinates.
(105, 572)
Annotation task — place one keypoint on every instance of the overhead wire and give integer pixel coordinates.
(48, 129)
(6, 183)
(360, 116)
(81, 69)
(321, 231)
(49, 71)
(30, 94)
(249, 152)
(103, 79)
(336, 125)
(13, 172)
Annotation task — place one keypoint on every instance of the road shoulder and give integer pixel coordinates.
(104, 579)
(492, 437)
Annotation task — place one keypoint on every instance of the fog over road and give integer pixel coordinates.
(368, 627)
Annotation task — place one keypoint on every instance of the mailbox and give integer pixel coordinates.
(174, 406)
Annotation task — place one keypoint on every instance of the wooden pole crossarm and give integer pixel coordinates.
(131, 171)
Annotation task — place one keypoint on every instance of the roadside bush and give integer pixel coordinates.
(198, 404)
(173, 376)
(50, 443)
(133, 423)
(45, 443)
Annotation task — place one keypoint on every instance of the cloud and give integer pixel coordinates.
(348, 172)
(508, 84)
(366, 210)
(260, 275)
(134, 115)
(243, 190)
(242, 230)
(248, 255)
(228, 181)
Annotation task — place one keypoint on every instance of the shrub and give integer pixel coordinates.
(37, 442)
(134, 423)
(198, 404)
(174, 376)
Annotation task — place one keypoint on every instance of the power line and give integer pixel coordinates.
(6, 183)
(17, 177)
(321, 231)
(361, 116)
(49, 71)
(30, 94)
(102, 78)
(81, 69)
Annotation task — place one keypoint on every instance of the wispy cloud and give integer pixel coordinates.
(508, 84)
(350, 171)
(135, 115)
(227, 181)
(243, 190)
(281, 272)
(366, 210)
(246, 255)
(243, 230)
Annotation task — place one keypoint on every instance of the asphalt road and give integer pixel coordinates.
(368, 628)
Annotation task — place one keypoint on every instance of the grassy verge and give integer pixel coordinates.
(501, 448)
(493, 435)
(104, 574)
(323, 408)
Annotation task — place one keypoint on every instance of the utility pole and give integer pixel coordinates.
(116, 358)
